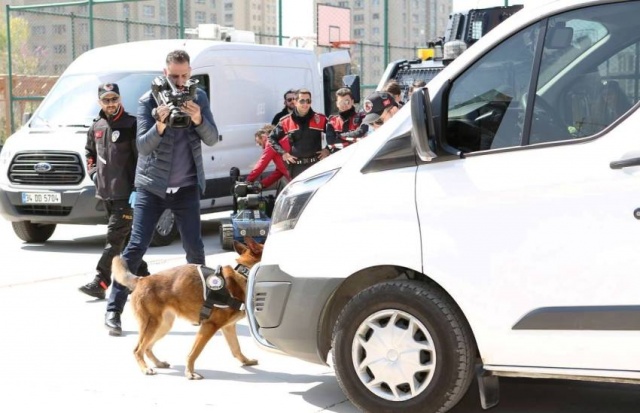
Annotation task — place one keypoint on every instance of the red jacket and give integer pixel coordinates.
(269, 154)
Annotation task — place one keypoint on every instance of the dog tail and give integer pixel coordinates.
(121, 273)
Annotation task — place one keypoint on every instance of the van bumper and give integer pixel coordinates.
(284, 312)
(78, 206)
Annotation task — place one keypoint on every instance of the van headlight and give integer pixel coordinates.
(292, 201)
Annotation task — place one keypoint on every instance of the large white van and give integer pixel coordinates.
(43, 179)
(491, 227)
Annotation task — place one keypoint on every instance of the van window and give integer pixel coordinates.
(73, 101)
(587, 78)
(203, 83)
(485, 103)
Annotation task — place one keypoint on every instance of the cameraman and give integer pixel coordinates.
(169, 175)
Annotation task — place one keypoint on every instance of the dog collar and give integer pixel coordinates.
(243, 269)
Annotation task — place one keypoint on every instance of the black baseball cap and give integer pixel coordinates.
(375, 104)
(106, 88)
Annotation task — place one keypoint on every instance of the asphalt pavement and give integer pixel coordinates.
(56, 354)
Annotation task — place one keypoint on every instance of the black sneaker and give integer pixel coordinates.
(95, 288)
(113, 324)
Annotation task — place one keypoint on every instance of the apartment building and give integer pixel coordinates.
(59, 33)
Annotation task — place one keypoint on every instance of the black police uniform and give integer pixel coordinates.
(112, 155)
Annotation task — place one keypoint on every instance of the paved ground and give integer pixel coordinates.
(55, 352)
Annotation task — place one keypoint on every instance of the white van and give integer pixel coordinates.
(43, 179)
(490, 227)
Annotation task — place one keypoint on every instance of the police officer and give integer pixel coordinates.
(111, 155)
(346, 127)
(304, 128)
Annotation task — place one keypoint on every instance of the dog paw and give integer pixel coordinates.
(194, 376)
(149, 372)
(163, 365)
(250, 362)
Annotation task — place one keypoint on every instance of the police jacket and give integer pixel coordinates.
(304, 132)
(111, 154)
(156, 151)
(345, 128)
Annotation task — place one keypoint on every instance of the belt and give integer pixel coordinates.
(305, 161)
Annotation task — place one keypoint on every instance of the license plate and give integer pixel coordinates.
(41, 198)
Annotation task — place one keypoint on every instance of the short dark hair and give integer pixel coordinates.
(303, 92)
(344, 91)
(393, 87)
(289, 92)
(178, 56)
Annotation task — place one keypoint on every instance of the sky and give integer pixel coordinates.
(297, 17)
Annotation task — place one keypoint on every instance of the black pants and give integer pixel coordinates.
(296, 169)
(118, 229)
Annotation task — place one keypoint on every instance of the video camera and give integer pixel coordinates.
(248, 195)
(166, 93)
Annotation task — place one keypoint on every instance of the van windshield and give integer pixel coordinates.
(74, 99)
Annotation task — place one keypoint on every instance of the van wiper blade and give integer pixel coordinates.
(75, 125)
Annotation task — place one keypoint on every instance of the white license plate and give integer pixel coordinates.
(41, 198)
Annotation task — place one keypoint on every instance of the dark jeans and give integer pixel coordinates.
(118, 229)
(185, 205)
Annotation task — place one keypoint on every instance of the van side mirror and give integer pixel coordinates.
(422, 133)
(353, 83)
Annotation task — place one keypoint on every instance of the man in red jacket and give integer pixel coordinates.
(346, 127)
(269, 155)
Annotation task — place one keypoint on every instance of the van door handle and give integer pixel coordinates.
(625, 163)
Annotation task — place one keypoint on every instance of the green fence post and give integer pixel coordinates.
(73, 35)
(9, 67)
(280, 22)
(386, 33)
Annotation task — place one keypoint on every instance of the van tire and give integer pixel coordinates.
(436, 322)
(226, 236)
(33, 233)
(166, 230)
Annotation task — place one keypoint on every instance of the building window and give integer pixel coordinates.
(149, 31)
(213, 18)
(59, 28)
(38, 30)
(200, 1)
(228, 6)
(126, 11)
(358, 18)
(84, 47)
(200, 17)
(228, 18)
(343, 4)
(358, 33)
(375, 16)
(60, 49)
(148, 11)
(357, 4)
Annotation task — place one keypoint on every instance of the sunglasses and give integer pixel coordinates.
(304, 101)
(344, 103)
(290, 99)
(106, 101)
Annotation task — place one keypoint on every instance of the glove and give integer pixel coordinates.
(132, 199)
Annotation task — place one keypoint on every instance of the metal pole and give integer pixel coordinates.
(386, 33)
(9, 64)
(280, 22)
(181, 19)
(90, 24)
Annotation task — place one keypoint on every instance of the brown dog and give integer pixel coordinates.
(159, 298)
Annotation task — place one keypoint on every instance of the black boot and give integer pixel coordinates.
(95, 288)
(113, 324)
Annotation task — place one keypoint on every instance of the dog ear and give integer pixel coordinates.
(239, 247)
(256, 248)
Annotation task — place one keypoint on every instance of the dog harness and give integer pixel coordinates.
(215, 292)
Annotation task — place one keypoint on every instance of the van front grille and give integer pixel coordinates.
(50, 210)
(46, 168)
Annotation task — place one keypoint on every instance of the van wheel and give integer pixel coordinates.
(402, 346)
(226, 236)
(166, 230)
(30, 232)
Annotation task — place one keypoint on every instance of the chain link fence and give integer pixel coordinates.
(40, 41)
